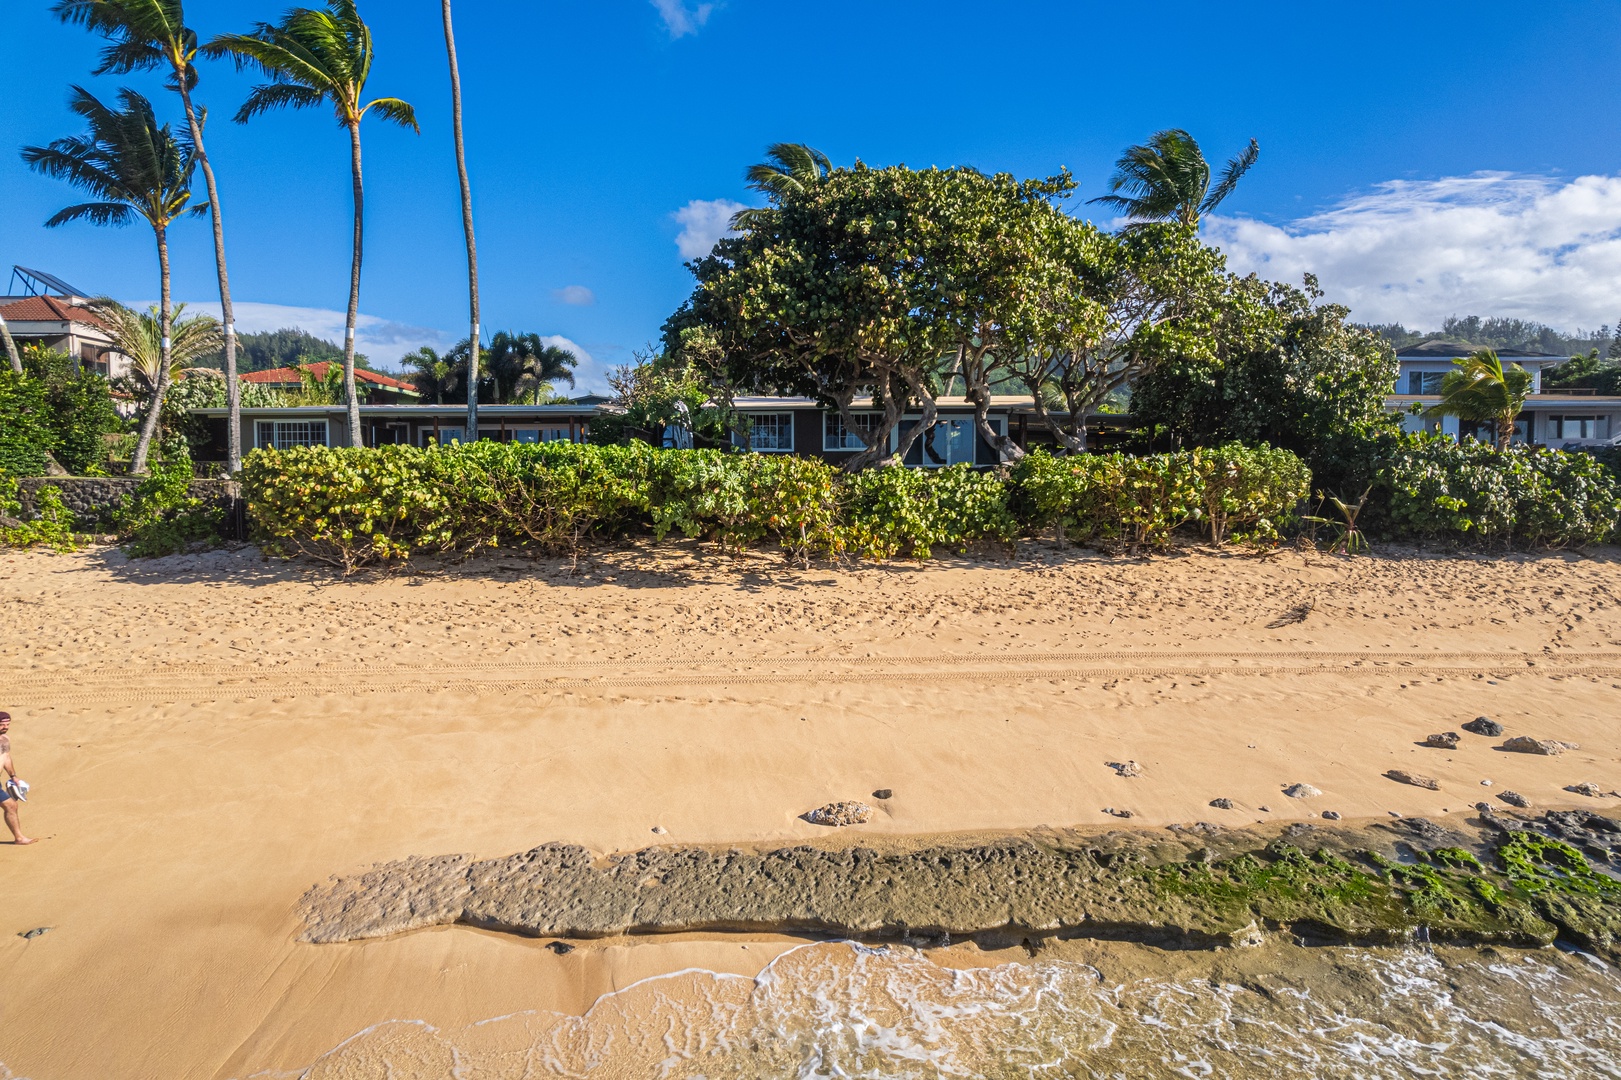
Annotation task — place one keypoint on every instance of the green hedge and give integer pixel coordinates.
(1468, 491)
(352, 507)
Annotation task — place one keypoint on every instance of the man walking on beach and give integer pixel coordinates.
(8, 797)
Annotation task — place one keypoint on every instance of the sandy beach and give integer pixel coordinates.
(208, 736)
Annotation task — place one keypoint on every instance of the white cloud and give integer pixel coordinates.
(590, 376)
(680, 20)
(575, 295)
(1415, 252)
(704, 221)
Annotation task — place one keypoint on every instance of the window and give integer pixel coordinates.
(1425, 382)
(286, 434)
(952, 441)
(836, 436)
(771, 432)
(1578, 427)
(445, 435)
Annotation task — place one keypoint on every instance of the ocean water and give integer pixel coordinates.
(847, 1010)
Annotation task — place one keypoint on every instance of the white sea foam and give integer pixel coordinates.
(844, 1010)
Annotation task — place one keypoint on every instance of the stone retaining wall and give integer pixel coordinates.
(92, 498)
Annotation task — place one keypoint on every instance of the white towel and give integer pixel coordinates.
(18, 789)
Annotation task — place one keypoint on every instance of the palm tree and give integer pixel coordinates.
(148, 35)
(523, 363)
(11, 347)
(467, 215)
(315, 57)
(789, 168)
(139, 336)
(131, 167)
(1168, 179)
(433, 375)
(1481, 390)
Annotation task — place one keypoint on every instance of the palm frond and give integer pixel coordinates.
(789, 168)
(395, 111)
(103, 213)
(1235, 170)
(263, 99)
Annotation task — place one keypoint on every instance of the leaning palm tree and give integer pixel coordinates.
(139, 336)
(1480, 389)
(320, 57)
(467, 214)
(522, 364)
(1168, 179)
(133, 168)
(789, 168)
(149, 35)
(11, 347)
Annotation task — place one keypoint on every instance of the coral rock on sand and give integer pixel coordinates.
(1525, 744)
(1301, 791)
(1222, 804)
(1484, 725)
(1112, 812)
(839, 814)
(1331, 815)
(1126, 768)
(1402, 776)
(883, 793)
(1592, 791)
(1514, 798)
(1447, 740)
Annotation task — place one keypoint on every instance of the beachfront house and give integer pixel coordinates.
(1557, 418)
(374, 387)
(382, 424)
(42, 309)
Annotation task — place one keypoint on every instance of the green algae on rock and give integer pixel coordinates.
(1199, 887)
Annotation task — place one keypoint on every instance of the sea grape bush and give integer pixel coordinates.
(1469, 491)
(355, 507)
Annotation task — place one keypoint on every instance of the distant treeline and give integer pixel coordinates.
(281, 348)
(1497, 333)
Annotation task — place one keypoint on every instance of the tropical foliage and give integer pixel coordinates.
(132, 168)
(317, 57)
(1168, 179)
(789, 168)
(1481, 390)
(78, 410)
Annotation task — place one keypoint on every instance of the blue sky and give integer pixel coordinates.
(1424, 159)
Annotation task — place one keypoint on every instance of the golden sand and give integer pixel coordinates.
(210, 735)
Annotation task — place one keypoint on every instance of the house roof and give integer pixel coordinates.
(48, 309)
(1440, 349)
(290, 377)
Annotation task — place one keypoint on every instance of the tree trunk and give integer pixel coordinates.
(233, 392)
(160, 386)
(467, 227)
(354, 291)
(11, 347)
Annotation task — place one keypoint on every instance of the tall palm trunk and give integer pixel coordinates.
(160, 386)
(467, 227)
(354, 293)
(11, 347)
(233, 393)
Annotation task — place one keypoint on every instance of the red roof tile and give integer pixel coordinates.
(289, 376)
(48, 309)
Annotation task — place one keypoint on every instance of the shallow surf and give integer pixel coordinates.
(839, 1009)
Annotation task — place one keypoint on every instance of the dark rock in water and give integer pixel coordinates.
(1514, 798)
(1484, 725)
(840, 814)
(1222, 804)
(1331, 815)
(1447, 740)
(1525, 744)
(561, 948)
(30, 935)
(1424, 829)
(883, 793)
(1299, 828)
(1402, 776)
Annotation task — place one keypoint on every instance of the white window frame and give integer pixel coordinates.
(783, 420)
(279, 428)
(836, 438)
